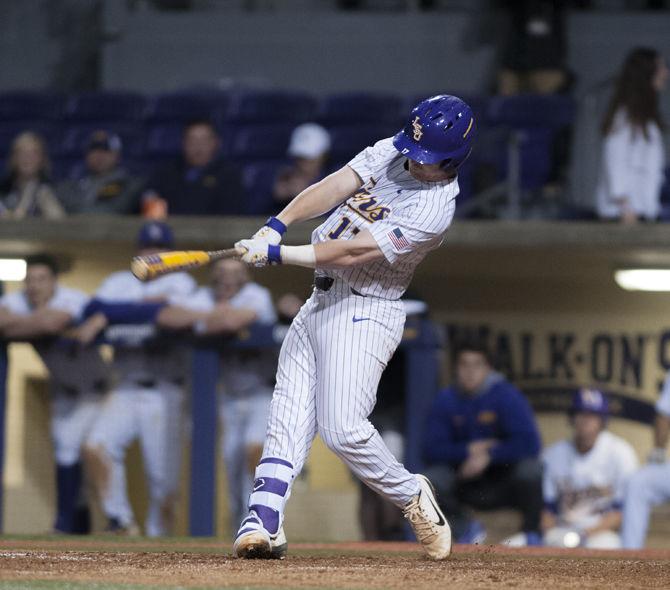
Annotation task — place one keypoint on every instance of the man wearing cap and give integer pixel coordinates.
(200, 182)
(585, 478)
(147, 401)
(106, 186)
(309, 147)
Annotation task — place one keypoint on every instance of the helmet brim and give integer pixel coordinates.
(409, 148)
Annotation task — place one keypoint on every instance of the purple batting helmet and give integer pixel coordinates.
(589, 400)
(440, 129)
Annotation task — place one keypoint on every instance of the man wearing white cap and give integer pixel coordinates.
(309, 148)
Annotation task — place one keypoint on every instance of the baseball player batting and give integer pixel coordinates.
(390, 205)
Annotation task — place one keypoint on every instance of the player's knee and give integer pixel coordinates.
(338, 441)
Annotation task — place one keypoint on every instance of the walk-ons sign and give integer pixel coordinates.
(549, 365)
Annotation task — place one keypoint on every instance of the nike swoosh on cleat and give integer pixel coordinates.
(440, 522)
(355, 319)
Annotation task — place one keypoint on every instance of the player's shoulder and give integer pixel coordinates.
(615, 444)
(120, 279)
(558, 451)
(16, 302)
(69, 294)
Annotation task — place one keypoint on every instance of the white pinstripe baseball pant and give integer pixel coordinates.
(329, 368)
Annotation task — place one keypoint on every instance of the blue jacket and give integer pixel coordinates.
(498, 411)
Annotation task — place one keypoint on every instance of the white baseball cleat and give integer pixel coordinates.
(254, 542)
(428, 522)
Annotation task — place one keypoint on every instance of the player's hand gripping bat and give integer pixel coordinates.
(151, 266)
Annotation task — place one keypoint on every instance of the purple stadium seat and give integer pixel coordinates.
(183, 106)
(76, 136)
(532, 110)
(537, 119)
(361, 107)
(164, 140)
(128, 106)
(258, 179)
(271, 107)
(260, 142)
(28, 105)
(348, 140)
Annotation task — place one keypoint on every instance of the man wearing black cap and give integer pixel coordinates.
(106, 186)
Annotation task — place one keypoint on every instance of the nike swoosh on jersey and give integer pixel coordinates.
(355, 319)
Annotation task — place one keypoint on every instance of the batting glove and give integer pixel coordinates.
(259, 253)
(272, 232)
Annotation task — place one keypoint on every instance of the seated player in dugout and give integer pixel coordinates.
(481, 447)
(585, 477)
(200, 182)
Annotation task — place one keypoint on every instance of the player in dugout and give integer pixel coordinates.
(585, 477)
(78, 377)
(481, 447)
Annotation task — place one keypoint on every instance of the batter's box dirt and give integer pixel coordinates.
(112, 565)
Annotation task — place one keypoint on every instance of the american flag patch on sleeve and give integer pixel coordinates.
(398, 240)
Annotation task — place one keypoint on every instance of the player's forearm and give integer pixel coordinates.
(661, 431)
(172, 317)
(321, 197)
(228, 321)
(46, 322)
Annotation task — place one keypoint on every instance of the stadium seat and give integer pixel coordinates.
(106, 106)
(536, 120)
(271, 107)
(347, 141)
(184, 106)
(258, 179)
(164, 140)
(361, 108)
(32, 106)
(260, 142)
(76, 136)
(531, 110)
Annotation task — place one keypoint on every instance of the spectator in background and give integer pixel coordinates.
(481, 448)
(585, 478)
(200, 183)
(309, 148)
(106, 187)
(650, 486)
(633, 156)
(534, 49)
(26, 190)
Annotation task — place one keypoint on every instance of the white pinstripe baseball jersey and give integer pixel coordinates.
(407, 218)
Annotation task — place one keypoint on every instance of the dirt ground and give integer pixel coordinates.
(208, 564)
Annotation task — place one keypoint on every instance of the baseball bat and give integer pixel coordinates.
(151, 266)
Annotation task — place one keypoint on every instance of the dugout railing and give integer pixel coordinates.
(421, 343)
